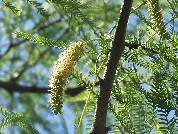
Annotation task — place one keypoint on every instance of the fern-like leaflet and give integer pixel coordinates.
(74, 9)
(14, 9)
(40, 40)
(11, 118)
(156, 17)
(39, 7)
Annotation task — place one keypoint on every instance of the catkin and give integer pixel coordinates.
(60, 73)
(156, 17)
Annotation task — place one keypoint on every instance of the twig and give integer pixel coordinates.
(135, 45)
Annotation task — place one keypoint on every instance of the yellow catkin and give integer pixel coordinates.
(156, 17)
(60, 73)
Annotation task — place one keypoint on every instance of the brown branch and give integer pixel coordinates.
(99, 126)
(14, 87)
(77, 90)
(134, 45)
(131, 45)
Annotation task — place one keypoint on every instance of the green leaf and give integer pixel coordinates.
(40, 40)
(15, 119)
(39, 7)
(14, 9)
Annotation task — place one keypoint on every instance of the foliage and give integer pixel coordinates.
(11, 7)
(144, 93)
(40, 40)
(39, 7)
(18, 119)
(74, 9)
(156, 17)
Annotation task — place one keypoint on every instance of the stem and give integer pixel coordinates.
(84, 110)
(118, 45)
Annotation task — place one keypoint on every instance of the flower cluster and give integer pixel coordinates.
(62, 69)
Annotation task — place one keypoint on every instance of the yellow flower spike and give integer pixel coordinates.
(156, 17)
(60, 73)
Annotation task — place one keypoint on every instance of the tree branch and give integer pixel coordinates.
(14, 87)
(118, 45)
(134, 45)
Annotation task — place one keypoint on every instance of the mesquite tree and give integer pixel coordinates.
(117, 66)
